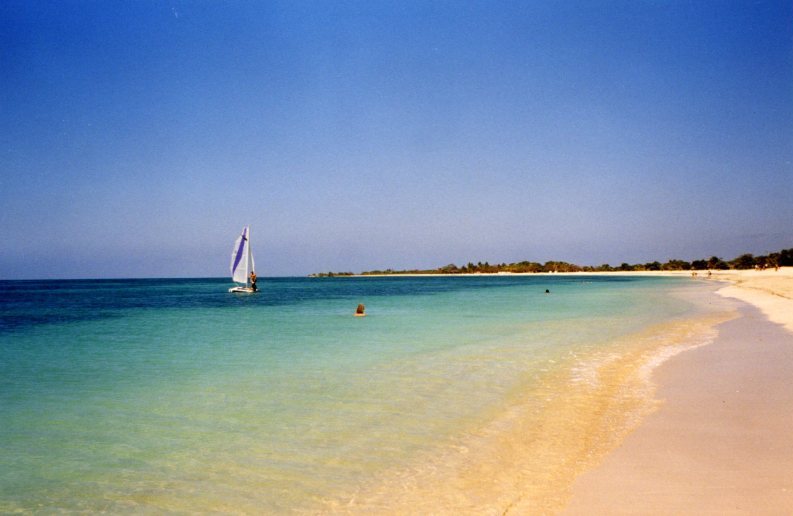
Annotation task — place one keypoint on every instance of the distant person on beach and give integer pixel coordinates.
(360, 311)
(253, 281)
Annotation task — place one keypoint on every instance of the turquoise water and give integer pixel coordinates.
(176, 395)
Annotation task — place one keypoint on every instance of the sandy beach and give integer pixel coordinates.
(720, 443)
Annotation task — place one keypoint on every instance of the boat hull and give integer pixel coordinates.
(241, 290)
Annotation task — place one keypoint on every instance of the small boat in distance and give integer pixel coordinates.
(242, 266)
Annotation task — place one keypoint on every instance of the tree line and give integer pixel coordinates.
(783, 258)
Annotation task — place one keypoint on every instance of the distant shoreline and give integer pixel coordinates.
(491, 274)
(746, 261)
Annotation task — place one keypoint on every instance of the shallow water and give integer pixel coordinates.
(175, 395)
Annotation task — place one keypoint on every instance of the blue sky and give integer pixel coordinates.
(137, 138)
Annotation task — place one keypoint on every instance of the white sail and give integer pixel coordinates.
(241, 258)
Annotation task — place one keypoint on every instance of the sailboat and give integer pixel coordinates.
(242, 264)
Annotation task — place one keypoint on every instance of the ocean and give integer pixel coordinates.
(453, 394)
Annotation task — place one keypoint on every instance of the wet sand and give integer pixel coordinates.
(721, 443)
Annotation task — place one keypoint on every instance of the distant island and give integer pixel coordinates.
(783, 258)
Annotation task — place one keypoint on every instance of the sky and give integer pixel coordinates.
(137, 138)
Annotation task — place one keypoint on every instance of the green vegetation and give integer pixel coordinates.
(330, 274)
(783, 258)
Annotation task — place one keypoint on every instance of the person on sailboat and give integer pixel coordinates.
(253, 281)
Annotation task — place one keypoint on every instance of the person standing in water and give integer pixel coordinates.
(253, 281)
(360, 311)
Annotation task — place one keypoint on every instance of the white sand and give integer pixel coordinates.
(722, 443)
